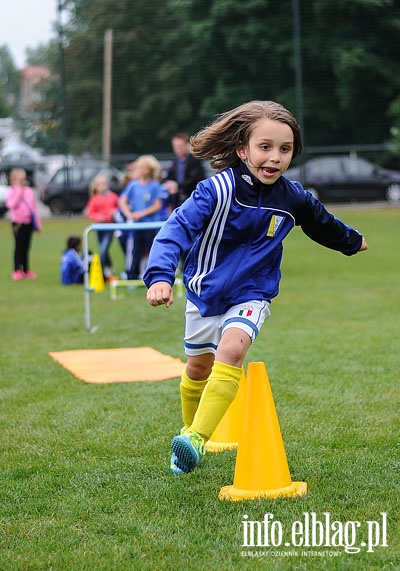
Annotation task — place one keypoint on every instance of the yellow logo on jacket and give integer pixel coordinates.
(276, 221)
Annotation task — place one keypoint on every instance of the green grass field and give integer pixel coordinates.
(84, 468)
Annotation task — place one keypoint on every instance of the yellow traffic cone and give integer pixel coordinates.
(226, 435)
(96, 280)
(261, 469)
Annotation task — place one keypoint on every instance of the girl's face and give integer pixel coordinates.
(142, 169)
(101, 185)
(269, 151)
(18, 179)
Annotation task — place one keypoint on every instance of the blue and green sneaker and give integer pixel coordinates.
(189, 451)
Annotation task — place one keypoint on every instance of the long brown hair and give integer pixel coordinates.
(219, 141)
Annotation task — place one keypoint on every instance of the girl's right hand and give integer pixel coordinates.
(364, 245)
(160, 293)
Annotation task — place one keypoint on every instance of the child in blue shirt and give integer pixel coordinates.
(72, 265)
(142, 200)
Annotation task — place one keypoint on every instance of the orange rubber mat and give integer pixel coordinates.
(119, 365)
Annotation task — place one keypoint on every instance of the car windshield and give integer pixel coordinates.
(75, 174)
(59, 176)
(357, 167)
(89, 172)
(326, 167)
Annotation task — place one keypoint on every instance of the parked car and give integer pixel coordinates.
(68, 189)
(22, 157)
(346, 178)
(3, 194)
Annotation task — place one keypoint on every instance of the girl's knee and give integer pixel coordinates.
(233, 347)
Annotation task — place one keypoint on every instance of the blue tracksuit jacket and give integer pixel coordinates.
(232, 228)
(72, 268)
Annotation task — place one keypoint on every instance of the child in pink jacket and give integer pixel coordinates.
(21, 203)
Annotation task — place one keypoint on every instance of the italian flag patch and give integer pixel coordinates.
(245, 312)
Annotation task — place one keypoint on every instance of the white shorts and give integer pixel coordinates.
(202, 334)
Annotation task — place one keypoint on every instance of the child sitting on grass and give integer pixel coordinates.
(72, 265)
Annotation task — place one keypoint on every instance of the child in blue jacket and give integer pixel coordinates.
(72, 265)
(231, 230)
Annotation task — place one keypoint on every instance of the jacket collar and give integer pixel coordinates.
(249, 190)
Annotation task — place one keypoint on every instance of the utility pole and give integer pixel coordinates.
(107, 92)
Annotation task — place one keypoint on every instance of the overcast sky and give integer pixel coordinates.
(26, 23)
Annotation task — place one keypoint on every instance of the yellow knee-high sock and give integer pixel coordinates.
(191, 392)
(220, 391)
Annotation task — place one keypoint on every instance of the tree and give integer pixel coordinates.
(41, 125)
(9, 84)
(177, 63)
(350, 70)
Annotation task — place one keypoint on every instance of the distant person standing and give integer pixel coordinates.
(21, 202)
(142, 201)
(184, 173)
(102, 207)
